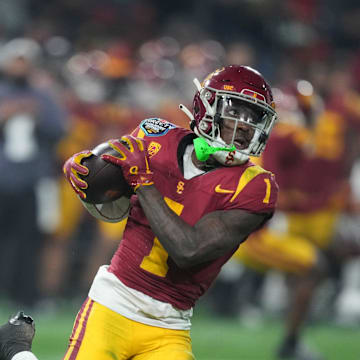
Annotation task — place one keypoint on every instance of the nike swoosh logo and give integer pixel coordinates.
(218, 189)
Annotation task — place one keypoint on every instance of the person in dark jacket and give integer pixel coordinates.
(31, 124)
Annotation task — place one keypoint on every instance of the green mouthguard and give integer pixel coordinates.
(203, 150)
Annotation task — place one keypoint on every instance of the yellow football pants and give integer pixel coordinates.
(318, 227)
(293, 251)
(267, 249)
(102, 334)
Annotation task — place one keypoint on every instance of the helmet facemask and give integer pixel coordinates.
(235, 99)
(244, 110)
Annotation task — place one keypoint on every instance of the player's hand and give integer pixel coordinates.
(73, 168)
(132, 159)
(16, 335)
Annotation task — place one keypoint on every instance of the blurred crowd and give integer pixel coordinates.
(74, 73)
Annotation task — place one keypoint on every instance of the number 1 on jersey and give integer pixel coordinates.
(156, 261)
(268, 191)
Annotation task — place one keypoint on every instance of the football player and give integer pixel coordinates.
(197, 197)
(310, 201)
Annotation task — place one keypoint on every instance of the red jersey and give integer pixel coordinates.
(141, 262)
(310, 162)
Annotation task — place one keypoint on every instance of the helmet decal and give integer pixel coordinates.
(228, 87)
(253, 94)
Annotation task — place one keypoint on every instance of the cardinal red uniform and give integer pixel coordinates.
(141, 262)
(141, 272)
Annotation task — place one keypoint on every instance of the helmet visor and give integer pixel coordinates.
(236, 109)
(248, 122)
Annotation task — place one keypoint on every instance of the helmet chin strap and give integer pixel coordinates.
(202, 149)
(219, 150)
(230, 158)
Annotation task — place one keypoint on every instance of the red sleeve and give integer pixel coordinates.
(259, 195)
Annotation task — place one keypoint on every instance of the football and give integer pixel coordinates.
(105, 181)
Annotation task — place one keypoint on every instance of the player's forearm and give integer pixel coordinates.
(214, 235)
(178, 238)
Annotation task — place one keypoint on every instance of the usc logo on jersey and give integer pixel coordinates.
(153, 148)
(180, 187)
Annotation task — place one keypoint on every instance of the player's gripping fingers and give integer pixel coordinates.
(75, 186)
(77, 159)
(127, 142)
(73, 164)
(127, 149)
(133, 143)
(73, 169)
(141, 150)
(133, 160)
(77, 167)
(120, 155)
(78, 191)
(79, 183)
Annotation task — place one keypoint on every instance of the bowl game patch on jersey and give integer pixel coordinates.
(156, 127)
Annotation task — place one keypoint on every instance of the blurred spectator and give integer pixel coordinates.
(13, 16)
(32, 123)
(93, 118)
